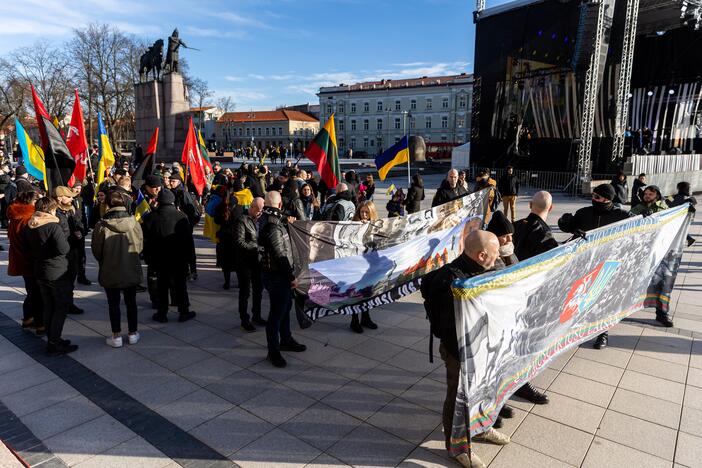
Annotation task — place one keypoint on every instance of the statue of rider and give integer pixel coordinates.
(174, 44)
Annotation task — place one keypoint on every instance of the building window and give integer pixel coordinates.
(353, 125)
(398, 105)
(429, 104)
(380, 106)
(353, 107)
(247, 131)
(239, 132)
(427, 123)
(413, 104)
(258, 131)
(413, 122)
(379, 124)
(341, 142)
(444, 122)
(444, 103)
(280, 131)
(365, 124)
(341, 125)
(342, 108)
(462, 102)
(329, 108)
(365, 142)
(397, 124)
(353, 143)
(268, 131)
(372, 142)
(460, 122)
(366, 107)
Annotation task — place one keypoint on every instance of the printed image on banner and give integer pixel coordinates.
(347, 267)
(512, 323)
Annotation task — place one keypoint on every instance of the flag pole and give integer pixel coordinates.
(409, 153)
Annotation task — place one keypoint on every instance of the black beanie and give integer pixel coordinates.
(152, 181)
(165, 197)
(500, 225)
(20, 170)
(605, 191)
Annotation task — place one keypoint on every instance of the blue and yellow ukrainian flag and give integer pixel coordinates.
(32, 154)
(106, 157)
(395, 155)
(142, 207)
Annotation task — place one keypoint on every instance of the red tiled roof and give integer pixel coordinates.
(201, 109)
(401, 83)
(266, 116)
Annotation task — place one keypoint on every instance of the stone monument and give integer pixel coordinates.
(162, 101)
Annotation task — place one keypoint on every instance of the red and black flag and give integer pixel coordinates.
(146, 166)
(324, 154)
(59, 162)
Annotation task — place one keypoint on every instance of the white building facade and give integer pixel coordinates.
(370, 117)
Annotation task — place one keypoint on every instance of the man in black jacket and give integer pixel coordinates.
(601, 213)
(48, 249)
(71, 221)
(278, 278)
(248, 270)
(80, 248)
(185, 203)
(638, 189)
(532, 235)
(169, 249)
(508, 185)
(449, 190)
(479, 256)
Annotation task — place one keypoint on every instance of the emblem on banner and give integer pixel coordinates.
(587, 289)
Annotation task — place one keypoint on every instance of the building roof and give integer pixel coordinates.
(266, 116)
(424, 81)
(201, 109)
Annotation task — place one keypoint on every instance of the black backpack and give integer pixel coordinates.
(435, 282)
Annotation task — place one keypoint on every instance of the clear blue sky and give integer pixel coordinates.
(266, 53)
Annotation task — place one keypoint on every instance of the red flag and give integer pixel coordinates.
(192, 161)
(153, 143)
(76, 142)
(41, 114)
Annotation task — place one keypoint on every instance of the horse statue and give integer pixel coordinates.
(151, 61)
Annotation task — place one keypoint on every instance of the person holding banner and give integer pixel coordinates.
(366, 213)
(449, 189)
(532, 235)
(481, 250)
(601, 213)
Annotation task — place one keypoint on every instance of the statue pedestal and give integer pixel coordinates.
(164, 104)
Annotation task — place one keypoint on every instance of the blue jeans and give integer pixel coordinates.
(280, 294)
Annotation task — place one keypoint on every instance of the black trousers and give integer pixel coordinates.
(80, 258)
(56, 299)
(114, 310)
(32, 306)
(278, 326)
(177, 276)
(249, 282)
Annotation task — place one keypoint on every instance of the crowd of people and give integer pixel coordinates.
(251, 210)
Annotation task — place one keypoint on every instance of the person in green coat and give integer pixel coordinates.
(652, 202)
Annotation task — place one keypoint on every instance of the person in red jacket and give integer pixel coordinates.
(20, 264)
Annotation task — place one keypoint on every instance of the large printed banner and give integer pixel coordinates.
(349, 267)
(512, 323)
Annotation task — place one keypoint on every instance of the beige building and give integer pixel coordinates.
(263, 129)
(371, 116)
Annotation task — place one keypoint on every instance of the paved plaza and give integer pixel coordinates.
(201, 393)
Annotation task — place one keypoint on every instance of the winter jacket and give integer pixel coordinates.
(275, 245)
(415, 195)
(445, 193)
(168, 239)
(637, 192)
(394, 209)
(508, 185)
(339, 207)
(117, 242)
(48, 246)
(71, 221)
(185, 203)
(649, 208)
(293, 207)
(678, 199)
(437, 294)
(19, 260)
(532, 236)
(226, 247)
(246, 240)
(591, 217)
(621, 191)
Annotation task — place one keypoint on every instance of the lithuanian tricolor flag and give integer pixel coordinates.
(324, 154)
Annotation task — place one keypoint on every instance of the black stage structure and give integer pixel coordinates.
(569, 85)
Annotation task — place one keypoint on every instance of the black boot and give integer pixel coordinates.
(185, 316)
(367, 322)
(507, 412)
(276, 359)
(355, 324)
(601, 341)
(498, 423)
(663, 318)
(292, 346)
(529, 393)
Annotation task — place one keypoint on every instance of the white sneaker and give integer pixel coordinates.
(134, 339)
(469, 462)
(114, 342)
(494, 436)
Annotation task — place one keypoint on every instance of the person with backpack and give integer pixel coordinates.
(339, 207)
(481, 250)
(185, 203)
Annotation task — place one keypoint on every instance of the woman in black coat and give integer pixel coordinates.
(226, 214)
(415, 194)
(292, 204)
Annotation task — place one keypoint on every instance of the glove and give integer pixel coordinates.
(579, 233)
(692, 209)
(647, 213)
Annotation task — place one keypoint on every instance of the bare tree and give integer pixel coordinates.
(49, 70)
(198, 92)
(12, 93)
(226, 103)
(107, 65)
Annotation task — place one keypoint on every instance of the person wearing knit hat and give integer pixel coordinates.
(20, 171)
(601, 213)
(166, 230)
(503, 229)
